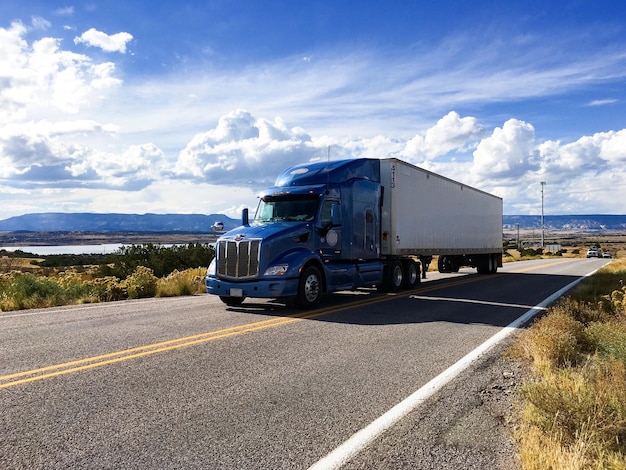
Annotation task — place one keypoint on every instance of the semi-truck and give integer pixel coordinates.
(343, 225)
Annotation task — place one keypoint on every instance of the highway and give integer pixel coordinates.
(189, 383)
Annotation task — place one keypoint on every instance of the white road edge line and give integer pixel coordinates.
(361, 439)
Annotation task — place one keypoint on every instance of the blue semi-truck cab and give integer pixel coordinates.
(317, 230)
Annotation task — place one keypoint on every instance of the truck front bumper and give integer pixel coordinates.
(255, 288)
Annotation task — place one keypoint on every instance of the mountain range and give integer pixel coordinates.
(200, 223)
(91, 222)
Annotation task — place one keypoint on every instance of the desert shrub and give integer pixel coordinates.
(584, 312)
(615, 302)
(553, 341)
(141, 283)
(531, 252)
(108, 288)
(188, 282)
(161, 260)
(608, 339)
(26, 290)
(588, 402)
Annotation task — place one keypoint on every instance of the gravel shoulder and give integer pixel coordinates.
(468, 424)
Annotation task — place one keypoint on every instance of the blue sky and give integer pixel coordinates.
(194, 106)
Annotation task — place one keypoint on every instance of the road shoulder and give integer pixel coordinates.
(469, 423)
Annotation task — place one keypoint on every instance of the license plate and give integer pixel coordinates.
(236, 292)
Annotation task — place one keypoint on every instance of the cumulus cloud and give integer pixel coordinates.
(508, 153)
(242, 149)
(47, 154)
(108, 43)
(41, 76)
(451, 133)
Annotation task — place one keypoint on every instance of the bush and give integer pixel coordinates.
(141, 283)
(553, 341)
(587, 402)
(188, 282)
(25, 290)
(161, 260)
(109, 288)
(608, 339)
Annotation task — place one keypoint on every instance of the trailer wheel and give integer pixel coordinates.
(232, 301)
(494, 264)
(483, 265)
(444, 264)
(309, 288)
(411, 274)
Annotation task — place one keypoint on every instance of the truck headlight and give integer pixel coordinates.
(212, 270)
(276, 270)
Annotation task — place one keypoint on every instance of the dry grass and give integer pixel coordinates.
(19, 290)
(188, 282)
(574, 408)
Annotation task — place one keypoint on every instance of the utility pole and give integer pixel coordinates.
(543, 183)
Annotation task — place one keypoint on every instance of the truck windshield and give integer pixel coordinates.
(287, 209)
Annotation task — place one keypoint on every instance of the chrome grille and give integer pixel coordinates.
(238, 259)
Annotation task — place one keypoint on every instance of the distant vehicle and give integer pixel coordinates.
(593, 253)
(606, 254)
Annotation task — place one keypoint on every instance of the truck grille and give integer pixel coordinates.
(238, 259)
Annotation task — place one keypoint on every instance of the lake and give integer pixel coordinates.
(46, 250)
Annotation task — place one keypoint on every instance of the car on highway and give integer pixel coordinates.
(593, 253)
(606, 254)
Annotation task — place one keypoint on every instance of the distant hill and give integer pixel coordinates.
(200, 223)
(90, 222)
(578, 223)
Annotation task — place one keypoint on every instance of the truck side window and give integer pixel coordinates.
(325, 213)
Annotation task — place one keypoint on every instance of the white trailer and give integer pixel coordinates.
(426, 214)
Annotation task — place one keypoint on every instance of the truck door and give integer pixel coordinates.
(370, 230)
(330, 242)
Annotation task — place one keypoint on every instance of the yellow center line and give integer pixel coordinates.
(19, 378)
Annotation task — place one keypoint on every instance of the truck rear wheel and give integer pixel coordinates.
(309, 288)
(411, 274)
(396, 273)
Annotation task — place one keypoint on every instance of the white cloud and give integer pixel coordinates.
(451, 133)
(42, 77)
(66, 11)
(49, 154)
(508, 153)
(602, 102)
(40, 23)
(108, 43)
(244, 150)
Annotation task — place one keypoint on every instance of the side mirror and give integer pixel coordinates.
(245, 220)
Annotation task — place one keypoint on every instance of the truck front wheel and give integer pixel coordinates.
(309, 288)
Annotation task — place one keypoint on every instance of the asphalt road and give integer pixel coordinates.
(190, 383)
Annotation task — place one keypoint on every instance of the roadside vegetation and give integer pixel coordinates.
(573, 409)
(133, 272)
